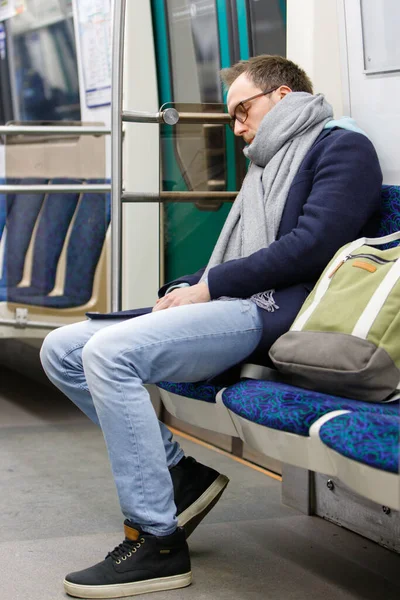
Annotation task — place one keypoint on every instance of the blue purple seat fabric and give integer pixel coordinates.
(390, 216)
(291, 409)
(196, 391)
(368, 438)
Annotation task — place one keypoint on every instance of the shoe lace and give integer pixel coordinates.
(125, 549)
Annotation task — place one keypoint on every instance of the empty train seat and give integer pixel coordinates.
(20, 222)
(85, 241)
(364, 446)
(53, 223)
(280, 420)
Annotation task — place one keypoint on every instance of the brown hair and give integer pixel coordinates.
(267, 71)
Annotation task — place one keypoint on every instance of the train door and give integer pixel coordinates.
(194, 39)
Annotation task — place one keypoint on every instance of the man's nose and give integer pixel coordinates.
(240, 128)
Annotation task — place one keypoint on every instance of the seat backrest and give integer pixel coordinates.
(5, 203)
(390, 215)
(21, 220)
(54, 220)
(85, 244)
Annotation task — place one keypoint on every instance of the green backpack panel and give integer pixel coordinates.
(346, 337)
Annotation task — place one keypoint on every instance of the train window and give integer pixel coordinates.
(6, 113)
(199, 165)
(44, 60)
(193, 36)
(268, 26)
(380, 24)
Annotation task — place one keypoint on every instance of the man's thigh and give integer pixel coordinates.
(184, 343)
(70, 337)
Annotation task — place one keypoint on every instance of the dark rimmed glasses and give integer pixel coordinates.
(241, 113)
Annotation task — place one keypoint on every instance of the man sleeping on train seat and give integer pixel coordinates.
(313, 185)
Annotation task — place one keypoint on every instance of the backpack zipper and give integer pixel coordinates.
(373, 257)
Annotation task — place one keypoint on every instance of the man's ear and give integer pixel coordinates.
(283, 90)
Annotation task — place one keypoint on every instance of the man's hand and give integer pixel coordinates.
(187, 295)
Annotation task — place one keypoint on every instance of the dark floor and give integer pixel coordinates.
(59, 512)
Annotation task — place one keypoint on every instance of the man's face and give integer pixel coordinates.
(243, 88)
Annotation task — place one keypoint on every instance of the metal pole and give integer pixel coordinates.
(52, 130)
(178, 196)
(33, 324)
(116, 152)
(51, 188)
(206, 118)
(171, 116)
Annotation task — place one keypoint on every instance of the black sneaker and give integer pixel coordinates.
(197, 489)
(142, 563)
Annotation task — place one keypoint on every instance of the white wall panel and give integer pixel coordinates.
(374, 98)
(313, 43)
(140, 161)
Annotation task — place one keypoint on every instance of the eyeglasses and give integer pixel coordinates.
(241, 113)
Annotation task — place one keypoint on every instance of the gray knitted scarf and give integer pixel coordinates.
(282, 141)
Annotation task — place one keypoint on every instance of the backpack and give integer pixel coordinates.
(346, 338)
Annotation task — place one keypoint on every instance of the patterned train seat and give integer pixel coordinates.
(364, 446)
(291, 409)
(368, 438)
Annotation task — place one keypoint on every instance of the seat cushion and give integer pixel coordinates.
(390, 215)
(367, 438)
(197, 391)
(288, 408)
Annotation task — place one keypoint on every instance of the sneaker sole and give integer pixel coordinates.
(195, 513)
(128, 589)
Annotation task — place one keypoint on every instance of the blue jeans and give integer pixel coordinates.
(102, 366)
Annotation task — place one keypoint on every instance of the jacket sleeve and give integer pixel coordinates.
(345, 193)
(189, 279)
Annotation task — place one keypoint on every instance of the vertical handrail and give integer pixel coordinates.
(116, 152)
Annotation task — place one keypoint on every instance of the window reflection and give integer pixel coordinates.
(193, 33)
(268, 26)
(45, 64)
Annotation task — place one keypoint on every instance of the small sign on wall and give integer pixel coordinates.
(10, 8)
(94, 18)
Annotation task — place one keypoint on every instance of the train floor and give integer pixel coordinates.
(59, 513)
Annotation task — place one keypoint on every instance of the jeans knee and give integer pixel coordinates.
(91, 352)
(103, 351)
(49, 352)
(59, 353)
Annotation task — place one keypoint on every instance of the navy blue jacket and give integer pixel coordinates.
(334, 198)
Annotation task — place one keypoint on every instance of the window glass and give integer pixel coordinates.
(193, 36)
(268, 26)
(44, 60)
